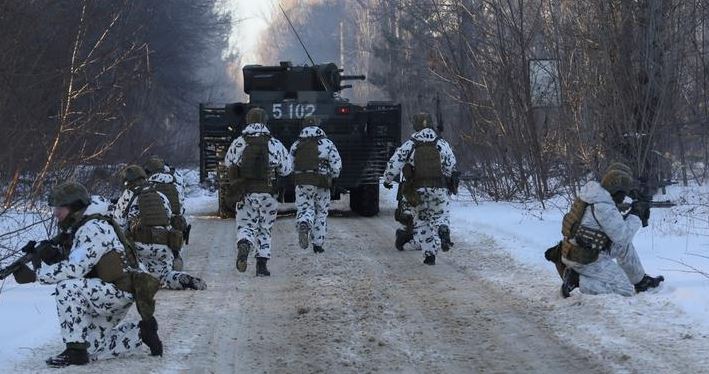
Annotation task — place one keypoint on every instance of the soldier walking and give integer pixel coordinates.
(97, 279)
(316, 163)
(254, 160)
(145, 215)
(426, 161)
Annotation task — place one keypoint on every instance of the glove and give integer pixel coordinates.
(24, 275)
(388, 185)
(46, 252)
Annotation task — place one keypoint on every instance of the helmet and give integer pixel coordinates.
(69, 194)
(311, 121)
(422, 121)
(256, 115)
(133, 173)
(617, 181)
(620, 167)
(154, 165)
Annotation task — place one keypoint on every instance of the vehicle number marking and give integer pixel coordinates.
(292, 110)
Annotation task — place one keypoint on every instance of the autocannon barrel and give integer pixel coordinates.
(360, 77)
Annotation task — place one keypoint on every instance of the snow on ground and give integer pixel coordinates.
(28, 312)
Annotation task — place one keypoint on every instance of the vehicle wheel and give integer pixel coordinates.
(364, 200)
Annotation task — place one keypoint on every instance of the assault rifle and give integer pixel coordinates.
(49, 251)
(29, 253)
(644, 210)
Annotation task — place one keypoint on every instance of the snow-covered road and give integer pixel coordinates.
(364, 307)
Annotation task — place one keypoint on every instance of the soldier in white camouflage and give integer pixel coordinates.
(597, 249)
(316, 163)
(255, 159)
(145, 215)
(426, 161)
(165, 180)
(96, 277)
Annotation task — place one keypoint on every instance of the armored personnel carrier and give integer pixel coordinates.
(366, 135)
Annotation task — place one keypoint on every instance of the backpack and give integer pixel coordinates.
(427, 165)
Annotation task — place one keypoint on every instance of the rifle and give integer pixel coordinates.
(29, 253)
(49, 251)
(650, 204)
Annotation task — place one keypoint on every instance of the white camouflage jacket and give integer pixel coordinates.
(279, 159)
(607, 217)
(91, 241)
(405, 155)
(125, 215)
(326, 151)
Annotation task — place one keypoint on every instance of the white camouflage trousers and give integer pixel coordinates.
(312, 204)
(91, 311)
(607, 275)
(157, 260)
(429, 215)
(255, 216)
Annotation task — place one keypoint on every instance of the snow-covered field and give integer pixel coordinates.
(678, 235)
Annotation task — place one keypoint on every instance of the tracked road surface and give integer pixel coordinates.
(359, 307)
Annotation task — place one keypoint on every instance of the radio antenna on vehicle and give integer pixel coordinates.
(317, 71)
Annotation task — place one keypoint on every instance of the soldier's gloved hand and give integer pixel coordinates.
(24, 275)
(388, 185)
(46, 252)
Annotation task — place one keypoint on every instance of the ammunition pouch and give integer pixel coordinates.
(312, 179)
(178, 222)
(431, 183)
(578, 254)
(158, 235)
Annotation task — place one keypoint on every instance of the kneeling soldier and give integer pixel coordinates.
(597, 248)
(165, 181)
(145, 215)
(98, 279)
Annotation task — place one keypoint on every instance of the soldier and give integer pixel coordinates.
(144, 213)
(97, 280)
(316, 163)
(426, 162)
(597, 248)
(166, 182)
(254, 160)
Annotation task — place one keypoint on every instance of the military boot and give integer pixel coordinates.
(445, 234)
(402, 237)
(74, 354)
(318, 249)
(303, 235)
(261, 269)
(430, 259)
(648, 282)
(189, 282)
(570, 281)
(243, 248)
(148, 334)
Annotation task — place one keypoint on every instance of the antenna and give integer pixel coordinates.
(317, 71)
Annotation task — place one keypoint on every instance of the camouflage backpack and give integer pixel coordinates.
(427, 165)
(170, 191)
